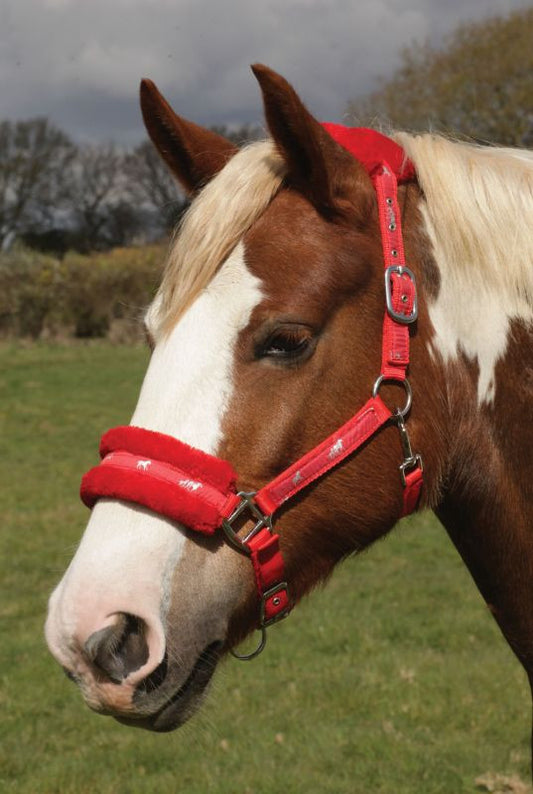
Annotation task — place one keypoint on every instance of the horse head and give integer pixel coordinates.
(266, 335)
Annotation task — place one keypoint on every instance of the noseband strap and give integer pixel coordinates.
(163, 474)
(199, 490)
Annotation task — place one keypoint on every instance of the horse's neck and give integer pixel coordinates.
(488, 505)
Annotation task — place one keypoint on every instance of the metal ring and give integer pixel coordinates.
(408, 392)
(247, 657)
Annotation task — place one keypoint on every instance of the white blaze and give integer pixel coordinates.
(127, 554)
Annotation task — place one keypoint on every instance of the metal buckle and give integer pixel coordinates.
(277, 588)
(263, 624)
(405, 319)
(407, 465)
(261, 520)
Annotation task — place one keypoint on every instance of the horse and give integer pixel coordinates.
(267, 334)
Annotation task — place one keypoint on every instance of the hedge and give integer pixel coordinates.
(85, 296)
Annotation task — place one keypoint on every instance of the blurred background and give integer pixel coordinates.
(395, 678)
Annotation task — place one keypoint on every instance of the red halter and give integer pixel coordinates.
(198, 490)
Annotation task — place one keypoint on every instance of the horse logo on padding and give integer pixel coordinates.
(190, 485)
(336, 449)
(144, 465)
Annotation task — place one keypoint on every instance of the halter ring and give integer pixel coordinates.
(247, 657)
(408, 392)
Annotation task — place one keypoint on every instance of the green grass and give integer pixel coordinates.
(393, 679)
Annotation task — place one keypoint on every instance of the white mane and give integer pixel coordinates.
(478, 210)
(217, 219)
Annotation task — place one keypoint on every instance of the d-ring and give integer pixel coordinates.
(247, 657)
(408, 393)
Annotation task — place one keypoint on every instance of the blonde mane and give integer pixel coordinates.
(478, 211)
(217, 219)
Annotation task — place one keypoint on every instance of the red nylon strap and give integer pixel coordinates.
(150, 444)
(395, 340)
(332, 451)
(413, 487)
(269, 570)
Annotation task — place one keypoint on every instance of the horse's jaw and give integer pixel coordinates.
(178, 701)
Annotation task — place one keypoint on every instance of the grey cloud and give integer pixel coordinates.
(79, 61)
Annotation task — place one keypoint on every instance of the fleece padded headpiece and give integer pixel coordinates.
(372, 148)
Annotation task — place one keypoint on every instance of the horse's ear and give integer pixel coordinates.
(317, 165)
(193, 153)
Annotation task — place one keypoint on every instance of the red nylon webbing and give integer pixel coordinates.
(160, 486)
(269, 570)
(411, 493)
(332, 451)
(395, 340)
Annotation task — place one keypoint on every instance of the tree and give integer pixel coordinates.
(33, 157)
(151, 183)
(478, 84)
(57, 196)
(103, 206)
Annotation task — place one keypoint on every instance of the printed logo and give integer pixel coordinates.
(190, 485)
(336, 449)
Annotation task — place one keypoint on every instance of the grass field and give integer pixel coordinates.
(391, 680)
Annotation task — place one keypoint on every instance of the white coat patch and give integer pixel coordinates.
(127, 554)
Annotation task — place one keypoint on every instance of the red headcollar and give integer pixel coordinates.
(198, 490)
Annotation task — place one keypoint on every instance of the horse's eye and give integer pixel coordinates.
(286, 344)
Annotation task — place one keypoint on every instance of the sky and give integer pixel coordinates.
(79, 62)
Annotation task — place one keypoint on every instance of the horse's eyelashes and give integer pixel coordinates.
(286, 344)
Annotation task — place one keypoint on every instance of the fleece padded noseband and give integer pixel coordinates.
(164, 474)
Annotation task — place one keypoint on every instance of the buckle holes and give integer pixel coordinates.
(389, 201)
(394, 252)
(392, 226)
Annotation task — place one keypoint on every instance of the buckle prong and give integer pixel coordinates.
(400, 270)
(277, 588)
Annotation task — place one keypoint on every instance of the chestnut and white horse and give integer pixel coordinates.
(266, 335)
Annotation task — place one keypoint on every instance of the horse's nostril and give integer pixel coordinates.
(120, 649)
